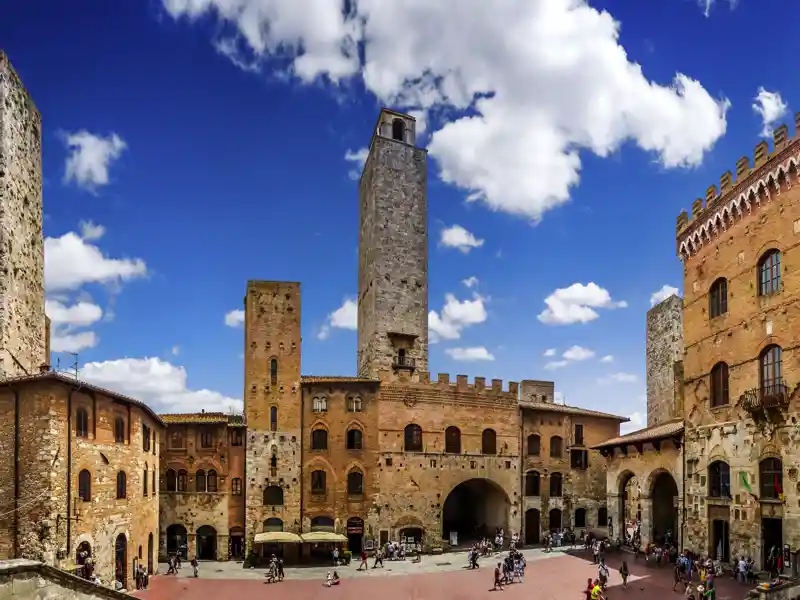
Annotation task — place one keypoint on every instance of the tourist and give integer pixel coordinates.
(171, 566)
(378, 558)
(602, 572)
(336, 557)
(195, 565)
(363, 561)
(498, 578)
(623, 571)
(589, 588)
(597, 591)
(280, 569)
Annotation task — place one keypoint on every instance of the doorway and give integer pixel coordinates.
(771, 537)
(121, 560)
(555, 520)
(532, 526)
(236, 543)
(720, 540)
(207, 543)
(355, 535)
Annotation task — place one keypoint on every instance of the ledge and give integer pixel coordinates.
(31, 568)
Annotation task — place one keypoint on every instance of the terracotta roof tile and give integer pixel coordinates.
(570, 410)
(648, 434)
(335, 379)
(207, 418)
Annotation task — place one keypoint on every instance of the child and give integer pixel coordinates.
(623, 571)
(589, 586)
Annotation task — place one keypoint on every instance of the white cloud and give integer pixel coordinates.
(771, 108)
(358, 158)
(454, 317)
(637, 421)
(618, 378)
(578, 353)
(469, 354)
(175, 351)
(234, 318)
(71, 262)
(665, 292)
(80, 314)
(62, 341)
(459, 238)
(90, 157)
(556, 364)
(344, 317)
(576, 304)
(162, 385)
(549, 352)
(706, 5)
(544, 80)
(607, 358)
(91, 232)
(471, 282)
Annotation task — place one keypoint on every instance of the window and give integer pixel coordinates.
(452, 440)
(412, 438)
(145, 438)
(769, 273)
(155, 487)
(719, 385)
(211, 479)
(182, 478)
(273, 495)
(85, 485)
(206, 439)
(172, 480)
(176, 439)
(144, 482)
(555, 485)
(488, 442)
(236, 486)
(273, 371)
(318, 482)
(532, 483)
(122, 485)
(119, 429)
(354, 404)
(556, 447)
(82, 423)
(771, 370)
(319, 439)
(534, 445)
(770, 471)
(200, 481)
(578, 434)
(580, 517)
(154, 443)
(719, 480)
(319, 404)
(398, 129)
(602, 517)
(579, 459)
(273, 418)
(237, 438)
(354, 439)
(355, 483)
(718, 298)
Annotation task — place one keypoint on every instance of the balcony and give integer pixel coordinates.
(404, 362)
(766, 397)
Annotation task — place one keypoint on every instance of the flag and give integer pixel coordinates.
(778, 487)
(743, 477)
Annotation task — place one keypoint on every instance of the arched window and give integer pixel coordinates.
(144, 481)
(122, 485)
(532, 483)
(398, 129)
(119, 429)
(206, 438)
(319, 439)
(211, 478)
(172, 480)
(273, 524)
(556, 447)
(318, 482)
(354, 404)
(412, 438)
(534, 445)
(452, 440)
(770, 476)
(273, 418)
(719, 385)
(182, 477)
(769, 273)
(555, 485)
(719, 480)
(771, 370)
(488, 442)
(273, 371)
(236, 486)
(273, 495)
(354, 439)
(200, 481)
(82, 422)
(85, 485)
(718, 298)
(602, 517)
(355, 483)
(319, 404)
(580, 517)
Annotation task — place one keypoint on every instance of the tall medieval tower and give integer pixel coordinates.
(664, 361)
(22, 318)
(272, 407)
(393, 251)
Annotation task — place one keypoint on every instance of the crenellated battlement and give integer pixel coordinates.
(461, 383)
(737, 195)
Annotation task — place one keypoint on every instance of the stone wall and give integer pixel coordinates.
(22, 318)
(31, 580)
(664, 343)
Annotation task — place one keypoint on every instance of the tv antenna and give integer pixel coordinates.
(74, 355)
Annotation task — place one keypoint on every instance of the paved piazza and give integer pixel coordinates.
(554, 576)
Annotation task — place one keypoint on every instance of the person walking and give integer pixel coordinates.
(195, 565)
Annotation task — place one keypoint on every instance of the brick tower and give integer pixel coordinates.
(22, 318)
(393, 251)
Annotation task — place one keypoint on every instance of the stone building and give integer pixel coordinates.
(741, 364)
(202, 486)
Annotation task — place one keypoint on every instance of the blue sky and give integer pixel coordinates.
(188, 149)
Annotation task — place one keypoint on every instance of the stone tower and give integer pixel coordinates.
(22, 318)
(272, 407)
(664, 363)
(393, 251)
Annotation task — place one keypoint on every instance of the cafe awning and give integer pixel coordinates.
(277, 537)
(323, 536)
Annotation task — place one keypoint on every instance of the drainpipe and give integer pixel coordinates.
(16, 473)
(69, 471)
(683, 485)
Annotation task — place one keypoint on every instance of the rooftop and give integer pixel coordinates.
(204, 418)
(570, 410)
(335, 379)
(649, 434)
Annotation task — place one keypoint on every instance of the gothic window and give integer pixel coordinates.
(770, 471)
(237, 437)
(122, 485)
(771, 369)
(398, 129)
(354, 439)
(319, 439)
(452, 440)
(273, 418)
(555, 485)
(144, 482)
(200, 481)
(319, 404)
(82, 422)
(580, 517)
(719, 385)
(532, 483)
(172, 480)
(273, 495)
(236, 486)
(718, 298)
(119, 429)
(556, 447)
(206, 439)
(534, 445)
(412, 438)
(769, 273)
(182, 478)
(318, 482)
(85, 485)
(488, 442)
(212, 481)
(355, 483)
(273, 371)
(354, 404)
(719, 480)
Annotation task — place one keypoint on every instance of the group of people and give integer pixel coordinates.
(509, 570)
(174, 563)
(141, 577)
(275, 569)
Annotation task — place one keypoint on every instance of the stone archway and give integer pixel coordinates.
(206, 543)
(177, 541)
(475, 509)
(664, 512)
(629, 493)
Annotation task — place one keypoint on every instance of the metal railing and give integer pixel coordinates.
(404, 362)
(772, 395)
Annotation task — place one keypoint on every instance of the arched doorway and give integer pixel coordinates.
(150, 555)
(355, 535)
(177, 541)
(474, 509)
(665, 510)
(554, 519)
(82, 555)
(236, 543)
(533, 525)
(207, 543)
(629, 508)
(121, 560)
(410, 537)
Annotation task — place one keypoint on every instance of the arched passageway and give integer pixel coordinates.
(533, 525)
(207, 543)
(555, 519)
(475, 509)
(629, 515)
(121, 560)
(176, 541)
(236, 543)
(665, 510)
